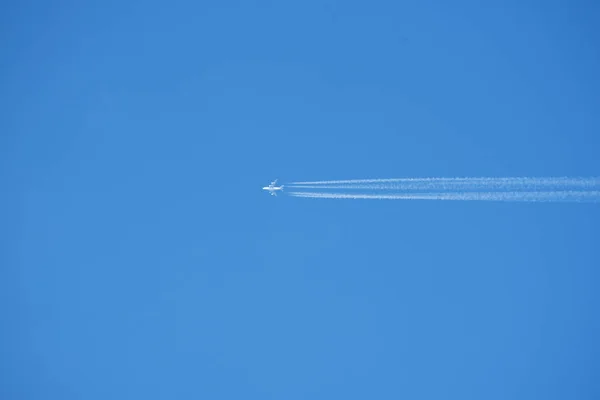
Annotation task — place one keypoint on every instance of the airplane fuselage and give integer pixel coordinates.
(272, 188)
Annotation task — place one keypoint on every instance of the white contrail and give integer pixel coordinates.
(453, 183)
(548, 196)
(546, 189)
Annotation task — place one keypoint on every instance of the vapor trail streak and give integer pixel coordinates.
(454, 185)
(549, 196)
(446, 183)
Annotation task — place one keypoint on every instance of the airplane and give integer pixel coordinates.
(272, 188)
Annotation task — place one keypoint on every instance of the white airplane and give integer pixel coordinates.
(272, 188)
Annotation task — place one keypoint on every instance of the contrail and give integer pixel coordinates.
(549, 196)
(531, 189)
(453, 183)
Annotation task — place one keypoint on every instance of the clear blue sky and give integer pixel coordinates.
(140, 259)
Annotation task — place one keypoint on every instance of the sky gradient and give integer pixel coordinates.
(140, 258)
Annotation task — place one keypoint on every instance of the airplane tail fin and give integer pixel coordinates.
(282, 188)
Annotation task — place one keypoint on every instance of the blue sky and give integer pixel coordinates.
(140, 259)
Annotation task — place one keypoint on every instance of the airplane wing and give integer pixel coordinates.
(273, 194)
(273, 183)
